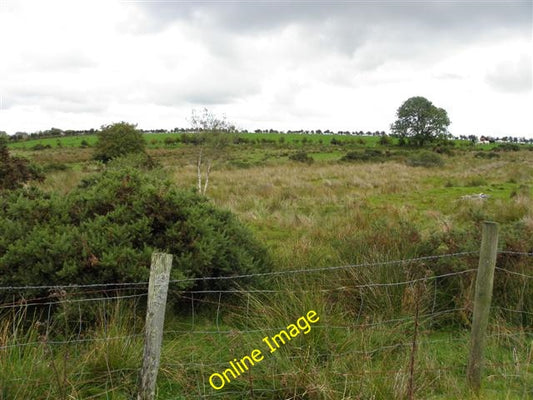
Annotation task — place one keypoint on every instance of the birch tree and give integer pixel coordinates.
(212, 132)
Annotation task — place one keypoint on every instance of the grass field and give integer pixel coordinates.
(311, 215)
(157, 140)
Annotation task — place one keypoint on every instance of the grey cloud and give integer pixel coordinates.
(372, 33)
(249, 17)
(259, 15)
(512, 76)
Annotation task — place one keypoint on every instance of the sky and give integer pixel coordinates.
(285, 65)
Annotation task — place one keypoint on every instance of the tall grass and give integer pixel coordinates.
(312, 216)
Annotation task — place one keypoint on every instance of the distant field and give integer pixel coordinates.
(157, 140)
(68, 141)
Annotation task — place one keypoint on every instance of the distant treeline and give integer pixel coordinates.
(56, 132)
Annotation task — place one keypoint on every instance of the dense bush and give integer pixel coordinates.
(194, 139)
(385, 140)
(169, 141)
(444, 149)
(117, 140)
(15, 171)
(140, 161)
(367, 155)
(241, 140)
(301, 156)
(40, 146)
(425, 159)
(507, 147)
(107, 228)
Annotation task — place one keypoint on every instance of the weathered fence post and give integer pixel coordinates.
(483, 297)
(155, 318)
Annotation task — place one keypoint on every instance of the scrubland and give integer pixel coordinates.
(327, 213)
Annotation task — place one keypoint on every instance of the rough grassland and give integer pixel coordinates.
(323, 214)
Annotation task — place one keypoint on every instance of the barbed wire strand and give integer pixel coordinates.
(262, 274)
(68, 301)
(515, 273)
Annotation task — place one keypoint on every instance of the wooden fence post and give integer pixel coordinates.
(483, 297)
(155, 318)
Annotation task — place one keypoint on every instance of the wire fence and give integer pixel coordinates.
(387, 328)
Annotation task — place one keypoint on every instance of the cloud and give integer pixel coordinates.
(262, 15)
(278, 63)
(367, 34)
(341, 22)
(512, 76)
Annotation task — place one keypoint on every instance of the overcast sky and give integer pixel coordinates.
(338, 65)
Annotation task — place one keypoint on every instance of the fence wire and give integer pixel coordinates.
(361, 342)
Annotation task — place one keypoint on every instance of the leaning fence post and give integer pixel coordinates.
(155, 318)
(483, 296)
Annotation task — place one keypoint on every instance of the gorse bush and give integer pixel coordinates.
(15, 171)
(107, 228)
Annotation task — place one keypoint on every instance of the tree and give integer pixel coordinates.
(213, 136)
(117, 140)
(420, 122)
(15, 171)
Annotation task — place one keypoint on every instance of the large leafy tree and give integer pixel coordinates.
(117, 140)
(420, 122)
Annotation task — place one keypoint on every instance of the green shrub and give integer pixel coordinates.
(15, 171)
(385, 140)
(117, 140)
(425, 159)
(507, 147)
(169, 141)
(442, 149)
(106, 230)
(301, 156)
(141, 161)
(367, 155)
(40, 146)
